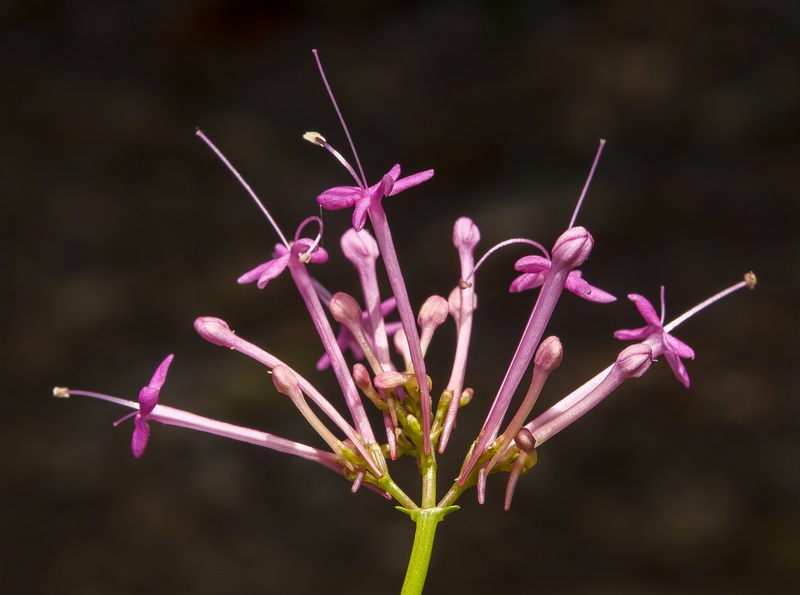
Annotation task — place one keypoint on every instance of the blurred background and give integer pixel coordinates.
(119, 228)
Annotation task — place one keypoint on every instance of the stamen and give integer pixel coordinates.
(306, 255)
(749, 282)
(341, 118)
(588, 181)
(247, 187)
(465, 282)
(318, 139)
(63, 392)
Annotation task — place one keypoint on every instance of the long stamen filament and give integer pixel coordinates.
(588, 181)
(318, 139)
(341, 118)
(242, 181)
(749, 282)
(503, 244)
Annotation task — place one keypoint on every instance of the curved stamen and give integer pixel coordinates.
(242, 181)
(315, 243)
(495, 248)
(318, 139)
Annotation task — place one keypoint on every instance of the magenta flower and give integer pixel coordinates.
(148, 399)
(342, 197)
(266, 272)
(658, 339)
(535, 269)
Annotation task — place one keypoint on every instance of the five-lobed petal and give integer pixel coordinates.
(659, 340)
(534, 272)
(342, 197)
(266, 272)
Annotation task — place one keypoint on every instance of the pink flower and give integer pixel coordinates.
(148, 399)
(535, 269)
(658, 339)
(361, 198)
(266, 272)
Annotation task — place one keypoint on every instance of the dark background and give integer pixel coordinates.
(119, 228)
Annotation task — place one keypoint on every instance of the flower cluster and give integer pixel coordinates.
(381, 363)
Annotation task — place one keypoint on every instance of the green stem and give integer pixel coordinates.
(428, 468)
(386, 483)
(426, 519)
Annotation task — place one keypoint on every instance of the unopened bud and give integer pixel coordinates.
(390, 379)
(572, 248)
(433, 312)
(634, 361)
(345, 309)
(466, 397)
(214, 330)
(549, 355)
(414, 426)
(359, 246)
(525, 440)
(465, 234)
(361, 377)
(285, 380)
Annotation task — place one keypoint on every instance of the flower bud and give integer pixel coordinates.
(466, 397)
(390, 379)
(361, 377)
(433, 312)
(525, 440)
(285, 381)
(359, 247)
(572, 248)
(634, 361)
(214, 330)
(465, 234)
(549, 355)
(345, 309)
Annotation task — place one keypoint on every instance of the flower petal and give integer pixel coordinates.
(360, 213)
(141, 434)
(160, 375)
(319, 255)
(678, 347)
(526, 281)
(533, 264)
(272, 269)
(633, 334)
(340, 197)
(577, 285)
(646, 310)
(148, 399)
(410, 181)
(677, 367)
